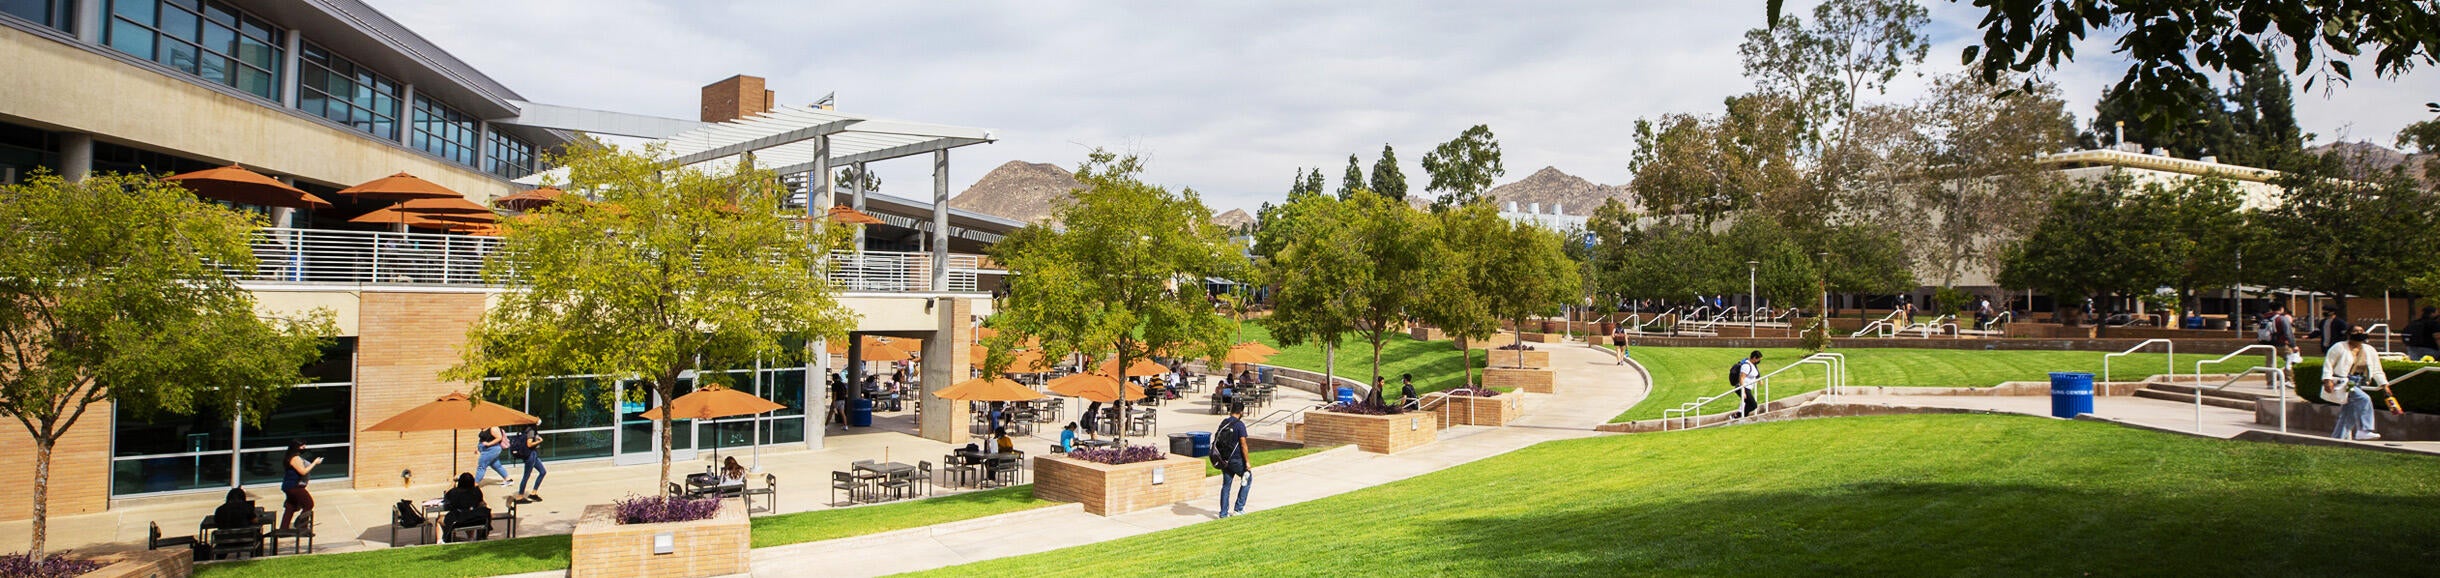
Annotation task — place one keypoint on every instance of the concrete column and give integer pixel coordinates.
(406, 114)
(856, 189)
(75, 156)
(940, 221)
(289, 70)
(89, 21)
(945, 364)
(482, 143)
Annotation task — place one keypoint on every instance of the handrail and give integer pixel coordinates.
(1833, 377)
(2172, 345)
(1987, 323)
(2384, 333)
(2278, 380)
(1949, 321)
(2198, 366)
(1278, 416)
(331, 256)
(1871, 326)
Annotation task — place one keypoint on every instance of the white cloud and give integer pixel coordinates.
(1227, 98)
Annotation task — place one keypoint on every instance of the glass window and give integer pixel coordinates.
(339, 90)
(211, 40)
(57, 14)
(256, 467)
(213, 449)
(509, 157)
(443, 131)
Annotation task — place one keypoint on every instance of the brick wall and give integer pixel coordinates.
(1531, 359)
(1380, 434)
(167, 563)
(80, 467)
(405, 340)
(1109, 490)
(734, 98)
(1527, 380)
(602, 548)
(1421, 333)
(1483, 411)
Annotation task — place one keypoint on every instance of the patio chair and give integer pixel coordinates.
(404, 516)
(770, 488)
(508, 520)
(900, 485)
(923, 472)
(957, 468)
(845, 481)
(1011, 469)
(299, 534)
(156, 541)
(243, 542)
(677, 491)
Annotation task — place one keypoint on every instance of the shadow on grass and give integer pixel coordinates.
(1937, 528)
(471, 559)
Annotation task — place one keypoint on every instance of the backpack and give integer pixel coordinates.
(1736, 374)
(407, 516)
(2263, 331)
(520, 445)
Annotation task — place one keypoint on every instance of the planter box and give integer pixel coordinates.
(1533, 359)
(1109, 490)
(1527, 380)
(1380, 434)
(1496, 340)
(1427, 334)
(2318, 419)
(604, 548)
(169, 563)
(1483, 411)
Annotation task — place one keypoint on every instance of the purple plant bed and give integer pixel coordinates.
(1364, 407)
(1483, 392)
(663, 509)
(1516, 347)
(1118, 456)
(57, 565)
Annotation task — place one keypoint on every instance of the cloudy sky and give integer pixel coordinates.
(1226, 98)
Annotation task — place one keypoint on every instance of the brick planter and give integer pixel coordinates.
(1526, 380)
(1380, 434)
(170, 563)
(604, 548)
(1532, 359)
(1485, 411)
(1427, 334)
(1109, 490)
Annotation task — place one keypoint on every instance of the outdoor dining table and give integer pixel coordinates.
(262, 521)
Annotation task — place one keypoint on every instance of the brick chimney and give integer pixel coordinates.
(734, 98)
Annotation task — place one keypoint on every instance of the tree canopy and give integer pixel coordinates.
(1464, 168)
(1386, 178)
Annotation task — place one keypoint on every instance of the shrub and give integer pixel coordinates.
(1117, 456)
(2420, 394)
(1817, 337)
(664, 509)
(56, 565)
(1516, 346)
(1475, 391)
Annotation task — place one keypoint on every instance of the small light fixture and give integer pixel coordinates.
(927, 306)
(406, 477)
(1160, 476)
(664, 543)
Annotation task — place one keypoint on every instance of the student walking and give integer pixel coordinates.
(1742, 377)
(296, 472)
(2348, 370)
(526, 446)
(2332, 328)
(1229, 450)
(2423, 335)
(493, 442)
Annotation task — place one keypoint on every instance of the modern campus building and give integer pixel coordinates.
(326, 94)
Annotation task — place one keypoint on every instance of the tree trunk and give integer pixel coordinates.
(664, 388)
(1520, 342)
(42, 495)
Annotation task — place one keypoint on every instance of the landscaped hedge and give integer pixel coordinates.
(2419, 394)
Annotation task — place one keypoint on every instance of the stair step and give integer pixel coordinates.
(2187, 389)
(2188, 397)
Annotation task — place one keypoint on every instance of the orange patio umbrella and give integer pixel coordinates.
(399, 187)
(534, 199)
(391, 216)
(1027, 362)
(1096, 387)
(1257, 347)
(714, 402)
(237, 185)
(1141, 367)
(995, 389)
(1236, 355)
(844, 215)
(982, 333)
(454, 412)
(443, 206)
(875, 349)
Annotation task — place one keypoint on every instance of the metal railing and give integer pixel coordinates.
(2198, 366)
(1834, 376)
(2381, 329)
(2278, 381)
(287, 255)
(2105, 358)
(1948, 321)
(1995, 319)
(1884, 323)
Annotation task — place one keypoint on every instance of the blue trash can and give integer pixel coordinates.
(1203, 443)
(1262, 375)
(1346, 394)
(860, 413)
(2071, 394)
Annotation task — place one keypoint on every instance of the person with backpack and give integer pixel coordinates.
(2346, 372)
(525, 447)
(2423, 335)
(2279, 330)
(1406, 391)
(1741, 377)
(493, 442)
(1229, 450)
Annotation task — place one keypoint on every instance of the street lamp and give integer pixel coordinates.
(1752, 298)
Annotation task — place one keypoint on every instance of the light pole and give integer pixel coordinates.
(1751, 297)
(1824, 313)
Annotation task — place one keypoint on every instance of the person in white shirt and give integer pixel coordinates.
(2350, 368)
(1743, 376)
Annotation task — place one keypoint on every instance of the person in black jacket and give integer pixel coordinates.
(466, 509)
(1229, 451)
(236, 512)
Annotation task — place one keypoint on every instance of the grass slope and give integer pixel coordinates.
(1684, 374)
(1950, 495)
(821, 525)
(1437, 365)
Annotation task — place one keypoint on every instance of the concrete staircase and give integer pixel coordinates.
(2231, 398)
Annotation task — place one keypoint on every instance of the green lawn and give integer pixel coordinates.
(1684, 374)
(1437, 365)
(542, 553)
(1946, 495)
(1262, 458)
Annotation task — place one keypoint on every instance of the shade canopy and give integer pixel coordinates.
(1237, 355)
(399, 187)
(713, 402)
(1096, 387)
(394, 217)
(844, 215)
(534, 199)
(454, 412)
(981, 333)
(237, 185)
(1141, 367)
(875, 349)
(443, 206)
(1257, 347)
(1027, 362)
(995, 389)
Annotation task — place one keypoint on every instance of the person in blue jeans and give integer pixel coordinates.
(492, 443)
(526, 446)
(1229, 454)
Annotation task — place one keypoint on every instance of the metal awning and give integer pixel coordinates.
(785, 139)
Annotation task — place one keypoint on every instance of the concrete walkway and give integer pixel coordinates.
(1591, 389)
(2215, 421)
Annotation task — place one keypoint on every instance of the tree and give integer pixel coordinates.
(1463, 168)
(2101, 239)
(119, 289)
(2171, 43)
(1708, 167)
(2264, 116)
(1314, 267)
(1386, 178)
(1851, 48)
(1533, 274)
(1963, 167)
(1353, 180)
(2210, 214)
(2188, 134)
(865, 180)
(1124, 274)
(1457, 298)
(673, 270)
(2337, 230)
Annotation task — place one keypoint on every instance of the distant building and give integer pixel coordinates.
(1555, 219)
